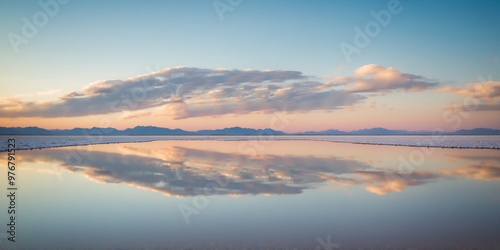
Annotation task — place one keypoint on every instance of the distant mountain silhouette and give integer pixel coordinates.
(370, 131)
(24, 131)
(139, 130)
(84, 131)
(379, 131)
(383, 131)
(239, 131)
(325, 132)
(477, 131)
(152, 130)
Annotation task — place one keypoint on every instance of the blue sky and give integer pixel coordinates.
(451, 42)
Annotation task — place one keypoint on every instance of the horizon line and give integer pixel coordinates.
(430, 132)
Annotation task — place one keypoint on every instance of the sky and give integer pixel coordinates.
(287, 65)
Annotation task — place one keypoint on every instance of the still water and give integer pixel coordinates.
(254, 194)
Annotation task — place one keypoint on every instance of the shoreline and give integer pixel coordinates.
(113, 139)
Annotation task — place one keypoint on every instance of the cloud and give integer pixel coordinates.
(487, 107)
(485, 166)
(376, 78)
(484, 96)
(385, 182)
(182, 171)
(487, 170)
(41, 93)
(184, 92)
(473, 105)
(478, 157)
(481, 90)
(132, 115)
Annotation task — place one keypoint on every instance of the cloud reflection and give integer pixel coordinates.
(483, 167)
(384, 182)
(188, 171)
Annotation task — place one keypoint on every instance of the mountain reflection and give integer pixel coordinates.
(180, 170)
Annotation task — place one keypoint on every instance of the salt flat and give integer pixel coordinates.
(233, 194)
(24, 142)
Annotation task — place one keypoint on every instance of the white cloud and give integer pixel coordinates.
(376, 78)
(183, 92)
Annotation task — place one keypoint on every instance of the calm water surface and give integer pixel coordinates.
(255, 194)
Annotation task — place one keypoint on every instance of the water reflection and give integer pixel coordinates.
(216, 168)
(479, 167)
(287, 195)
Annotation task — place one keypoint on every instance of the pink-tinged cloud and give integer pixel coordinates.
(487, 170)
(190, 92)
(184, 171)
(385, 182)
(376, 78)
(482, 96)
(481, 90)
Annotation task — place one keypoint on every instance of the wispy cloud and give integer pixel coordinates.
(487, 95)
(190, 92)
(469, 107)
(41, 93)
(481, 90)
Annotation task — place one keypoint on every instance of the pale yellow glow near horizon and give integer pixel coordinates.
(408, 119)
(404, 111)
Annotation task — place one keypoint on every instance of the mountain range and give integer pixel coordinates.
(383, 131)
(151, 130)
